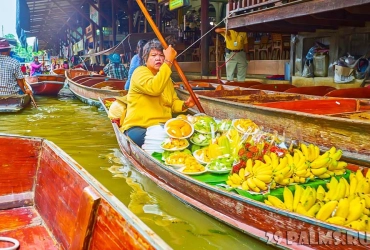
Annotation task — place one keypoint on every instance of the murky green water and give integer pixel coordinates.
(86, 134)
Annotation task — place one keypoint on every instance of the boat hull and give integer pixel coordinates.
(251, 217)
(48, 201)
(13, 103)
(47, 88)
(352, 136)
(87, 93)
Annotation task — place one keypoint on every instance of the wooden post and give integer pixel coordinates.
(204, 54)
(101, 36)
(114, 25)
(130, 15)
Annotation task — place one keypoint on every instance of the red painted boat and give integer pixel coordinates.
(247, 215)
(58, 72)
(48, 201)
(46, 84)
(13, 103)
(311, 90)
(88, 86)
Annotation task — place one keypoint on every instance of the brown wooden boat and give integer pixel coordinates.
(324, 121)
(13, 103)
(247, 215)
(48, 201)
(58, 72)
(88, 86)
(46, 84)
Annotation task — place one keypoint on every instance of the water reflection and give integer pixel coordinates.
(85, 133)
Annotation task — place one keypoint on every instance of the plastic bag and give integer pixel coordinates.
(307, 69)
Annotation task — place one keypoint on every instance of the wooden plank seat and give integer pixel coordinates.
(81, 79)
(114, 85)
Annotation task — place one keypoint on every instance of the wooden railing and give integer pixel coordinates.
(248, 5)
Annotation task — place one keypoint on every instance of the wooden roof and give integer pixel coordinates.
(279, 16)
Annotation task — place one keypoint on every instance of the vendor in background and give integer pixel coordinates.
(152, 99)
(92, 58)
(65, 65)
(36, 67)
(136, 61)
(236, 48)
(23, 69)
(11, 77)
(115, 69)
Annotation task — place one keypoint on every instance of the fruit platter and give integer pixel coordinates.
(205, 124)
(201, 139)
(174, 144)
(245, 126)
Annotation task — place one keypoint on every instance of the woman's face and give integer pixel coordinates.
(155, 60)
(36, 59)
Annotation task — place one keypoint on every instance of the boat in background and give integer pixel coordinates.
(88, 86)
(13, 103)
(48, 201)
(59, 71)
(323, 121)
(46, 84)
(252, 217)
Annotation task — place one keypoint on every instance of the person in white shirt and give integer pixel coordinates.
(92, 58)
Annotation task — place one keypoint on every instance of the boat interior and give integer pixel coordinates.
(48, 202)
(99, 82)
(59, 71)
(45, 78)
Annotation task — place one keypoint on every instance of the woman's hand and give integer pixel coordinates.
(190, 102)
(28, 92)
(169, 54)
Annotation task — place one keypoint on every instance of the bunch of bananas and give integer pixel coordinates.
(325, 165)
(345, 204)
(254, 177)
(282, 171)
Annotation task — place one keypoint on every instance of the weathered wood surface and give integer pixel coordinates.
(350, 93)
(25, 225)
(251, 217)
(352, 136)
(273, 87)
(13, 103)
(18, 165)
(66, 209)
(58, 72)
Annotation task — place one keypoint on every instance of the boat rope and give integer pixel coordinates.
(200, 38)
(8, 239)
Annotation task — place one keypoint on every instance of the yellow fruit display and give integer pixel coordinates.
(173, 143)
(192, 166)
(178, 128)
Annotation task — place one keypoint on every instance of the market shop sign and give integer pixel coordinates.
(175, 4)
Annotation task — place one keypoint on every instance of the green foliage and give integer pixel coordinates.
(24, 52)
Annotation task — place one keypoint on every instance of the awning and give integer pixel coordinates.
(128, 44)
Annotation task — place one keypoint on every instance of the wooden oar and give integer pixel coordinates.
(165, 45)
(33, 101)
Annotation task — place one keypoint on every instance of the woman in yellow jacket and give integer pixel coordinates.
(152, 99)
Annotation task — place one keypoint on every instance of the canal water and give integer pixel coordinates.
(85, 133)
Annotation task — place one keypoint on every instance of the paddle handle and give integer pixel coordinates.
(33, 101)
(165, 45)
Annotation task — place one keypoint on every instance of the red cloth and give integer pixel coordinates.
(23, 69)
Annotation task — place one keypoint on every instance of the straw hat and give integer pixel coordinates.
(4, 44)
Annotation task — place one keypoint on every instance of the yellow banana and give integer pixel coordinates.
(260, 184)
(319, 163)
(340, 191)
(245, 185)
(336, 220)
(285, 181)
(356, 225)
(319, 171)
(300, 209)
(249, 165)
(332, 150)
(236, 178)
(314, 209)
(360, 186)
(290, 159)
(304, 195)
(339, 171)
(311, 199)
(343, 208)
(311, 153)
(267, 159)
(333, 164)
(326, 210)
(242, 173)
(352, 186)
(356, 208)
(268, 203)
(316, 152)
(320, 193)
(252, 185)
(341, 165)
(264, 178)
(337, 155)
(276, 202)
(282, 164)
(368, 174)
(304, 150)
(297, 196)
(296, 157)
(347, 187)
(324, 176)
(366, 186)
(366, 197)
(288, 198)
(359, 175)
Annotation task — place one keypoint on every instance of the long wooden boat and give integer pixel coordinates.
(48, 201)
(46, 84)
(88, 86)
(325, 122)
(13, 103)
(247, 215)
